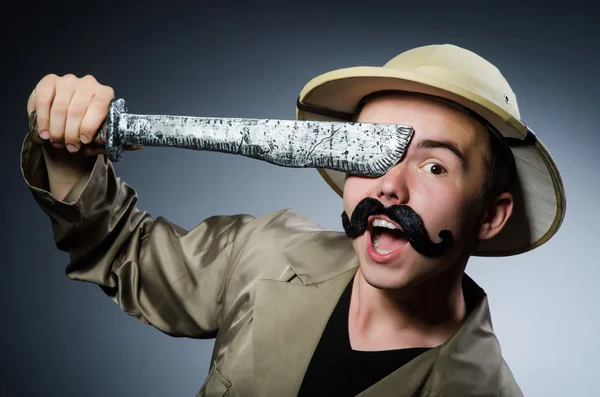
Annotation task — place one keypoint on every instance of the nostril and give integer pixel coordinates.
(390, 197)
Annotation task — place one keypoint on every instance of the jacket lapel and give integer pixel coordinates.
(471, 360)
(289, 317)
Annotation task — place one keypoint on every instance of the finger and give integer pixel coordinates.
(95, 114)
(58, 113)
(77, 109)
(31, 102)
(43, 97)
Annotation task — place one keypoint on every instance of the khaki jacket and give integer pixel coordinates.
(263, 287)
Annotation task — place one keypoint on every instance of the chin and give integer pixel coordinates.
(388, 278)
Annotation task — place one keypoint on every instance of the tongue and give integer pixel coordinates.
(390, 240)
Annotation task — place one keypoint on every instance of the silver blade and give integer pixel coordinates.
(357, 148)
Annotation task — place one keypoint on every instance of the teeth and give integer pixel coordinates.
(381, 223)
(376, 244)
(384, 223)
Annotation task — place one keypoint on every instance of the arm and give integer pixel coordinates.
(156, 271)
(171, 278)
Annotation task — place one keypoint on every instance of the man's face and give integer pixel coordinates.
(432, 179)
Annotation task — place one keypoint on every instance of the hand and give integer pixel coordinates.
(70, 110)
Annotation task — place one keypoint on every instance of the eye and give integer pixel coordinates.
(435, 168)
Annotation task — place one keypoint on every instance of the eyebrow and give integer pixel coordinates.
(449, 145)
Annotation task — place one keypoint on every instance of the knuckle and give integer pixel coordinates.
(88, 128)
(51, 77)
(67, 81)
(56, 135)
(59, 107)
(89, 79)
(42, 123)
(43, 93)
(43, 98)
(108, 91)
(76, 110)
(69, 77)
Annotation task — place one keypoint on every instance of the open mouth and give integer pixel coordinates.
(386, 236)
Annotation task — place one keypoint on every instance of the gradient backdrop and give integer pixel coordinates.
(65, 338)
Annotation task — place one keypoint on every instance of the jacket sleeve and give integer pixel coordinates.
(158, 272)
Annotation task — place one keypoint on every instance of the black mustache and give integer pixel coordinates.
(411, 223)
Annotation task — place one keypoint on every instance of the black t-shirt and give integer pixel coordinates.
(337, 370)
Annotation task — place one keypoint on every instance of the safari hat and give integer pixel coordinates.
(458, 75)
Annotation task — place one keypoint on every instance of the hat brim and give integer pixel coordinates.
(540, 203)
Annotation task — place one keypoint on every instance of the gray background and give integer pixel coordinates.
(66, 338)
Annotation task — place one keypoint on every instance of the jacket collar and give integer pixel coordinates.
(471, 360)
(290, 317)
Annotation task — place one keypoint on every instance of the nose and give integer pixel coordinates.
(393, 186)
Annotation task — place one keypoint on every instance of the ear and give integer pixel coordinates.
(496, 216)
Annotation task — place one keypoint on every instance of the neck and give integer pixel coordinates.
(425, 315)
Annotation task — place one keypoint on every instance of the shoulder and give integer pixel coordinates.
(285, 240)
(289, 221)
(277, 230)
(243, 230)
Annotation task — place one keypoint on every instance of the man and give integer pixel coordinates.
(385, 308)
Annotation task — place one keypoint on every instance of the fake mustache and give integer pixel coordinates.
(411, 223)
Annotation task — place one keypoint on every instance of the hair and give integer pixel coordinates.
(498, 176)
